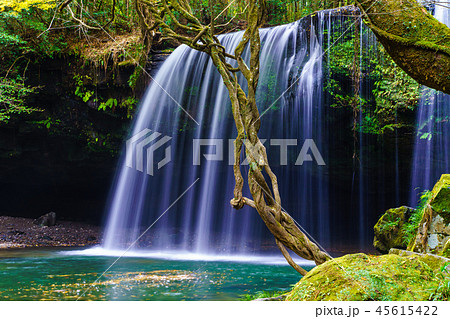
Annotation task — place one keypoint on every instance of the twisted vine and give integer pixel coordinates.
(266, 198)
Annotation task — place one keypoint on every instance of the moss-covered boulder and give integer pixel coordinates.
(363, 277)
(435, 262)
(390, 231)
(433, 231)
(440, 203)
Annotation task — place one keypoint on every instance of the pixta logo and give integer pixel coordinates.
(308, 152)
(146, 141)
(141, 148)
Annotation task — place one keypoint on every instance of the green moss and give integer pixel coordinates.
(390, 230)
(416, 41)
(435, 211)
(435, 262)
(127, 63)
(441, 198)
(363, 277)
(444, 182)
(442, 292)
(263, 294)
(446, 250)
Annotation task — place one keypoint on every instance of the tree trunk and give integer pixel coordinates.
(415, 40)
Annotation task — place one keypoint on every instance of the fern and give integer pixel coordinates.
(413, 223)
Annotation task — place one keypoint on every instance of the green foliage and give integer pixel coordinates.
(341, 54)
(99, 142)
(129, 103)
(20, 5)
(286, 11)
(132, 81)
(442, 292)
(431, 127)
(22, 40)
(9, 40)
(278, 11)
(80, 90)
(269, 89)
(344, 74)
(110, 103)
(394, 90)
(49, 122)
(413, 223)
(390, 229)
(13, 98)
(390, 222)
(369, 123)
(426, 136)
(261, 294)
(85, 93)
(23, 36)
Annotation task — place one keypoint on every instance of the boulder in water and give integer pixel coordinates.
(48, 219)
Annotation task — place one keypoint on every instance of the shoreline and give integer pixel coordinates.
(19, 232)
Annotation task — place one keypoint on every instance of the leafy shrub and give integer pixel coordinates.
(13, 97)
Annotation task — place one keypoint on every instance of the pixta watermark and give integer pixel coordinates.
(141, 148)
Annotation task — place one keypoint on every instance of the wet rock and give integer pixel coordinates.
(48, 219)
(390, 231)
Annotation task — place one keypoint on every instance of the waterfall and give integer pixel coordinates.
(188, 87)
(432, 143)
(182, 139)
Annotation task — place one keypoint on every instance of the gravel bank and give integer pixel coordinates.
(18, 232)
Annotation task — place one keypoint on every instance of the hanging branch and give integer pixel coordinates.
(81, 22)
(65, 4)
(416, 41)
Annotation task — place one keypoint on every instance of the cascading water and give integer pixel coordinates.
(432, 143)
(187, 102)
(202, 221)
(362, 158)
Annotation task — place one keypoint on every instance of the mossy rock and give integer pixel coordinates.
(389, 231)
(363, 277)
(446, 249)
(433, 261)
(417, 42)
(440, 202)
(433, 230)
(443, 182)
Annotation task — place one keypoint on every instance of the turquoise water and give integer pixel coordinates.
(55, 275)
